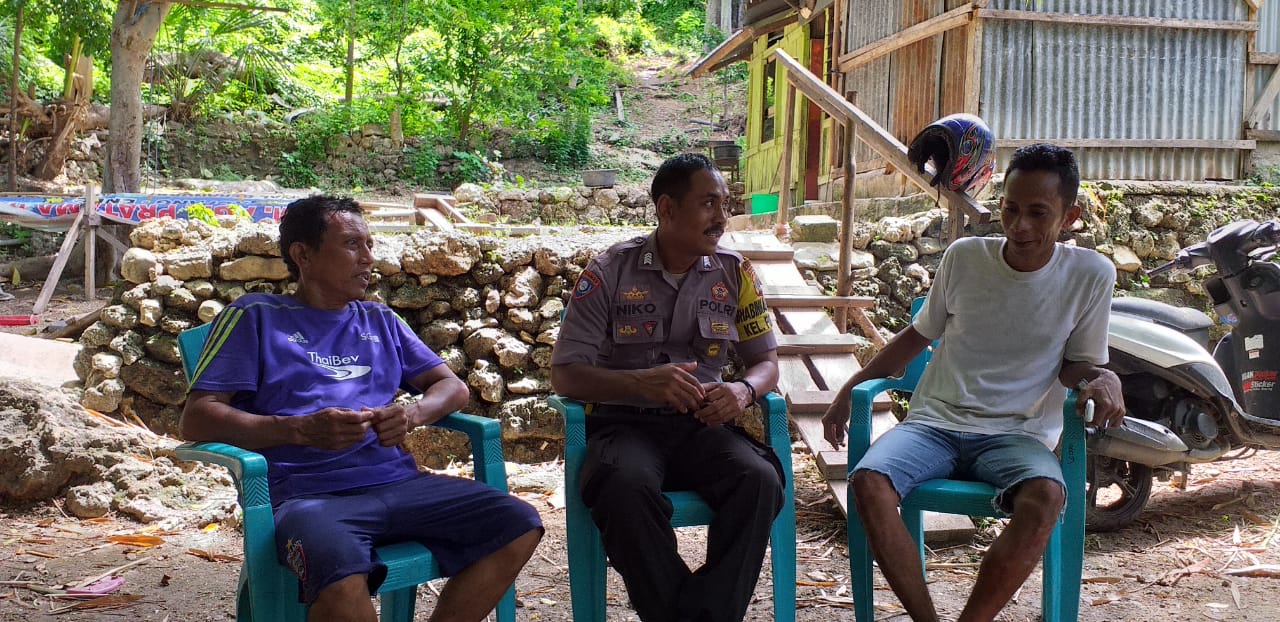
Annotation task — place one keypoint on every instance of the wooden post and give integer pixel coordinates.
(13, 100)
(844, 282)
(788, 142)
(59, 262)
(93, 220)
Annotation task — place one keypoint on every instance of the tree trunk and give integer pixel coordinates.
(13, 101)
(133, 33)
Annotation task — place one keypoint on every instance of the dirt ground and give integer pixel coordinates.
(1175, 564)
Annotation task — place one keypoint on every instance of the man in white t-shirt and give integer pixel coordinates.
(1018, 319)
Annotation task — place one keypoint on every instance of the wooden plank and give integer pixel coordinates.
(816, 402)
(726, 48)
(884, 143)
(1130, 143)
(793, 375)
(438, 220)
(819, 300)
(1263, 58)
(767, 254)
(1264, 135)
(1119, 20)
(815, 344)
(1263, 105)
(929, 28)
(60, 262)
(791, 290)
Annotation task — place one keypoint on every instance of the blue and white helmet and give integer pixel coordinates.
(963, 151)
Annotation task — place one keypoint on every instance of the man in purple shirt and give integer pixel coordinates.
(308, 380)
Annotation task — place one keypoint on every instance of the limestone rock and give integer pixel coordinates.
(512, 353)
(1149, 214)
(208, 310)
(164, 347)
(440, 333)
(119, 316)
(487, 382)
(189, 263)
(104, 396)
(135, 295)
(479, 343)
(106, 365)
(1125, 259)
(155, 381)
(814, 228)
(90, 500)
(523, 289)
(254, 267)
(149, 312)
(97, 335)
(928, 245)
(443, 254)
(182, 298)
(139, 265)
(894, 229)
(260, 238)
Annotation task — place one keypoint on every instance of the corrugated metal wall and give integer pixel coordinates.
(1042, 80)
(1045, 80)
(1268, 42)
(869, 21)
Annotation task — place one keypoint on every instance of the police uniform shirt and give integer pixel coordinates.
(625, 315)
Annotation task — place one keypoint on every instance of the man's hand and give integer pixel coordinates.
(390, 423)
(835, 423)
(725, 401)
(1107, 398)
(334, 428)
(674, 385)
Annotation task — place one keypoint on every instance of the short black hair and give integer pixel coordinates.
(672, 178)
(1052, 158)
(306, 220)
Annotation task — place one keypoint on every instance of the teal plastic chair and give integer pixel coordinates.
(586, 551)
(268, 591)
(1063, 557)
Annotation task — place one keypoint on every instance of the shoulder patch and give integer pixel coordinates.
(587, 284)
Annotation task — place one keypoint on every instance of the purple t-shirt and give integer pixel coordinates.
(281, 357)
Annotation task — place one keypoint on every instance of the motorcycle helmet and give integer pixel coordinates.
(963, 151)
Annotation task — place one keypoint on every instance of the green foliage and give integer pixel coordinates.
(476, 168)
(680, 21)
(562, 141)
(423, 165)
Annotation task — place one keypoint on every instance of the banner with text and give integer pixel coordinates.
(57, 213)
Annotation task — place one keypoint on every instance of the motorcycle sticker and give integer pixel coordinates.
(1258, 381)
(1253, 345)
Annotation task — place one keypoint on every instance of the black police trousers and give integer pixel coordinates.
(630, 460)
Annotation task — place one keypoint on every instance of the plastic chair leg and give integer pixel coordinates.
(397, 605)
(860, 568)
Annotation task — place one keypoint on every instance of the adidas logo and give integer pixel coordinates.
(297, 338)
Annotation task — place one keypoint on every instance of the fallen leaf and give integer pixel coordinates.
(102, 602)
(1106, 600)
(100, 587)
(211, 556)
(1267, 571)
(1102, 580)
(136, 540)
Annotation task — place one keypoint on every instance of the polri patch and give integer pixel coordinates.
(627, 330)
(587, 283)
(713, 350)
(719, 328)
(720, 291)
(649, 327)
(635, 294)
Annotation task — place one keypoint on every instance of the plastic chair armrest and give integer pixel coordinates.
(486, 446)
(248, 468)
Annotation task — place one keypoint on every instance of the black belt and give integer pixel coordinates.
(624, 409)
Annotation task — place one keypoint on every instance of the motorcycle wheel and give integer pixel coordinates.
(1116, 490)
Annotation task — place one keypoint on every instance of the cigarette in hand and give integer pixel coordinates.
(1088, 404)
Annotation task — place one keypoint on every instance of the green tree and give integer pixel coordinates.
(492, 52)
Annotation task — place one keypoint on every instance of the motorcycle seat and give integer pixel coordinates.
(1183, 319)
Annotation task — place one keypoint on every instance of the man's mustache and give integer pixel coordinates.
(713, 230)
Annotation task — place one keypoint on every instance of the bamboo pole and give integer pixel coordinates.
(844, 282)
(788, 143)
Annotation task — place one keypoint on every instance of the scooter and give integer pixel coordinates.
(1185, 405)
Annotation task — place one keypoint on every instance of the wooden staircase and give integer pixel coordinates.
(815, 359)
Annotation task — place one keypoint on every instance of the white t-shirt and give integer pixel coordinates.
(1004, 335)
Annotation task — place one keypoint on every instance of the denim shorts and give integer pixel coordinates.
(913, 452)
(325, 538)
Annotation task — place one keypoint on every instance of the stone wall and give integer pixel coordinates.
(617, 205)
(489, 306)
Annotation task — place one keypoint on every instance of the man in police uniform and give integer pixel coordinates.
(643, 342)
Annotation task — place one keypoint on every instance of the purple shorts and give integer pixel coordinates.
(326, 538)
